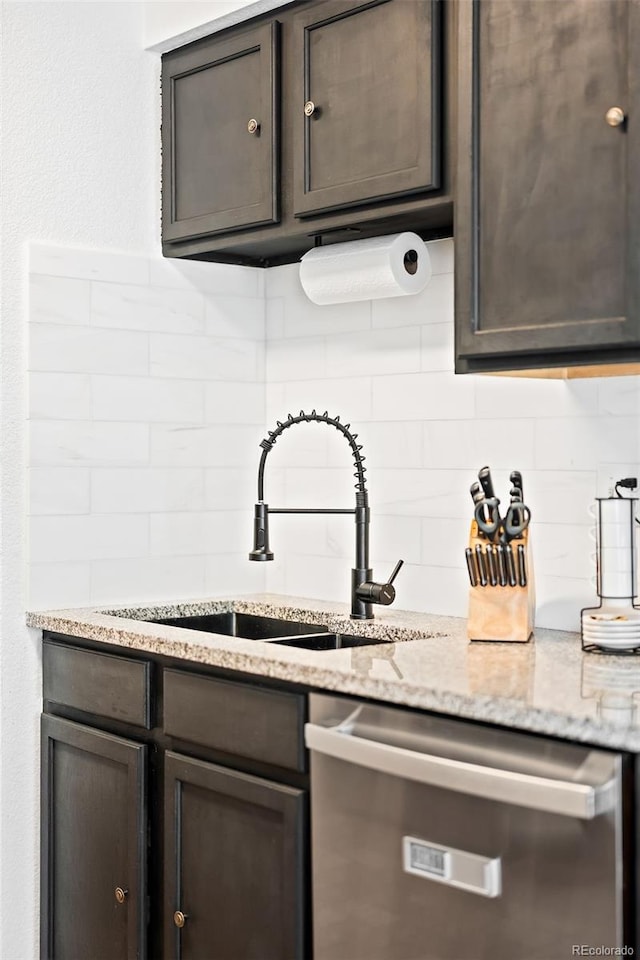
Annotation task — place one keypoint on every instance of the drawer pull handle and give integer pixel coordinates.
(615, 116)
(179, 918)
(253, 126)
(309, 108)
(121, 894)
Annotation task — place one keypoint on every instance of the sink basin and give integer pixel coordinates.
(327, 641)
(245, 625)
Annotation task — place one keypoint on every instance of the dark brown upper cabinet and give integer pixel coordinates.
(220, 135)
(368, 103)
(353, 137)
(547, 219)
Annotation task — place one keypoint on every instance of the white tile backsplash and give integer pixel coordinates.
(154, 381)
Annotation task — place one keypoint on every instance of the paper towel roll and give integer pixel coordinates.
(391, 266)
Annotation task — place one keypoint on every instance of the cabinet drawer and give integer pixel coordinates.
(237, 718)
(99, 683)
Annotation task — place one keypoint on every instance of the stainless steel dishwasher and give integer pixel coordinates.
(436, 839)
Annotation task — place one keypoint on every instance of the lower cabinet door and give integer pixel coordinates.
(234, 865)
(94, 836)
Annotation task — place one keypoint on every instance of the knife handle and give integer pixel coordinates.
(471, 567)
(481, 565)
(492, 563)
(502, 565)
(484, 476)
(511, 565)
(522, 566)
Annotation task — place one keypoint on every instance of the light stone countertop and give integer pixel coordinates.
(548, 685)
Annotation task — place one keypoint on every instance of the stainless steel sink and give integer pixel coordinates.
(245, 625)
(327, 641)
(248, 626)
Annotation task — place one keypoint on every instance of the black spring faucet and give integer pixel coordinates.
(364, 590)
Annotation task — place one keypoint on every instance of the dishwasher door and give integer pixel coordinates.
(436, 839)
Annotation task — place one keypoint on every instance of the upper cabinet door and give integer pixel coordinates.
(366, 102)
(220, 134)
(548, 187)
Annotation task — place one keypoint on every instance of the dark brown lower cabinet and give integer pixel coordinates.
(94, 839)
(234, 860)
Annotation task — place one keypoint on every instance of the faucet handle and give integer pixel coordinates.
(383, 593)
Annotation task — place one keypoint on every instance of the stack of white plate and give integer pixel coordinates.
(613, 626)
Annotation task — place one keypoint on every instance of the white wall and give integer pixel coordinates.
(146, 410)
(172, 23)
(80, 165)
(387, 367)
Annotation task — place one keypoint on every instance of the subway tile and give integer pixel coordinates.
(83, 443)
(232, 574)
(563, 550)
(84, 264)
(222, 531)
(148, 400)
(433, 589)
(319, 487)
(392, 539)
(580, 443)
(207, 278)
(73, 538)
(203, 358)
(349, 397)
(234, 402)
(57, 585)
(559, 601)
(189, 445)
(444, 541)
(502, 397)
(376, 352)
(441, 255)
(274, 318)
(296, 359)
(149, 490)
(282, 281)
(275, 402)
(619, 396)
(433, 305)
(393, 444)
(147, 579)
(59, 490)
(130, 307)
(59, 396)
(75, 349)
(236, 317)
(423, 396)
(420, 493)
(63, 300)
(302, 318)
(299, 535)
(560, 496)
(230, 488)
(324, 578)
(437, 347)
(470, 444)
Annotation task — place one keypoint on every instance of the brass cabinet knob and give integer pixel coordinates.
(120, 894)
(253, 126)
(179, 918)
(615, 116)
(309, 108)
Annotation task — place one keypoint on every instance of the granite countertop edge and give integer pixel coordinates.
(332, 670)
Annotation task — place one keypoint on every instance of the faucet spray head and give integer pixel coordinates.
(261, 533)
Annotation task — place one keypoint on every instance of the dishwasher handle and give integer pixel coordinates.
(569, 798)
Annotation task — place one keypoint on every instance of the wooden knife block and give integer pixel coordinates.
(503, 614)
